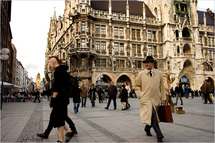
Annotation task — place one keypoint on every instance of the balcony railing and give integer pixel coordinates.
(83, 50)
(186, 39)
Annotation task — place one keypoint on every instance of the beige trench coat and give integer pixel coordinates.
(150, 91)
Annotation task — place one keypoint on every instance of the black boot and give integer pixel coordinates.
(69, 135)
(148, 133)
(44, 136)
(160, 140)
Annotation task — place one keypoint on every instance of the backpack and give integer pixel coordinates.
(72, 86)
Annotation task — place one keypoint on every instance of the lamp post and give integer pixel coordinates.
(4, 56)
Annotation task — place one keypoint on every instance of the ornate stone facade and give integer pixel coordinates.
(108, 40)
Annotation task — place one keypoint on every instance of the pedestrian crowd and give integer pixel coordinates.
(22, 96)
(151, 88)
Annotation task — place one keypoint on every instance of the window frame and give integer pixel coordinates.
(83, 43)
(149, 34)
(83, 26)
(149, 50)
(97, 46)
(103, 29)
(121, 31)
(116, 31)
(97, 29)
(103, 46)
(121, 49)
(116, 48)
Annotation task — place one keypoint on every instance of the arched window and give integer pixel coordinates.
(178, 49)
(156, 11)
(176, 33)
(186, 49)
(185, 32)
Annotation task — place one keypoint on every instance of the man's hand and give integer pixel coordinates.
(41, 92)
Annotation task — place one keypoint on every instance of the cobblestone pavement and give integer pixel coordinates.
(21, 121)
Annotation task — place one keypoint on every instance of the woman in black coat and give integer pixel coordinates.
(60, 99)
(124, 97)
(92, 93)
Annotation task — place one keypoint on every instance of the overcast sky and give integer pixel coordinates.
(30, 21)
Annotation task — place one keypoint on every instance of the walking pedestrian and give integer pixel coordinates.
(76, 100)
(59, 99)
(196, 93)
(150, 90)
(186, 91)
(83, 95)
(50, 126)
(124, 97)
(112, 92)
(92, 93)
(172, 92)
(100, 94)
(127, 86)
(178, 91)
(36, 96)
(206, 90)
(202, 91)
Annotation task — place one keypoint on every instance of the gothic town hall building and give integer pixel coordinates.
(107, 40)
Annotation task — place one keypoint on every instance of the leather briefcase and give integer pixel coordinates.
(165, 114)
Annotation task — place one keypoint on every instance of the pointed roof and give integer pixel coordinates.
(209, 19)
(54, 15)
(135, 7)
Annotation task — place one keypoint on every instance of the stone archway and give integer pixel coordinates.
(103, 80)
(188, 72)
(123, 78)
(106, 79)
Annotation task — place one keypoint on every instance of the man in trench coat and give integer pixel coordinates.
(150, 90)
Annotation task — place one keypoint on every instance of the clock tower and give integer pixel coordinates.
(38, 81)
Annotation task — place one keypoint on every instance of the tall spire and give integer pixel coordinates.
(144, 13)
(110, 8)
(127, 11)
(54, 16)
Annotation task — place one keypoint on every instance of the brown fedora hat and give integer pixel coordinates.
(149, 59)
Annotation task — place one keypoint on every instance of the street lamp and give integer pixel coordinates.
(3, 56)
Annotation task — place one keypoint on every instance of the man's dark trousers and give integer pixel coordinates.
(207, 98)
(50, 126)
(37, 97)
(154, 124)
(114, 102)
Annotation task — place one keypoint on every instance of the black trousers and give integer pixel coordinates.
(37, 97)
(155, 125)
(83, 101)
(100, 99)
(207, 98)
(178, 95)
(51, 126)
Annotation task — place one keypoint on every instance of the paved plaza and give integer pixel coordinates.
(20, 121)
